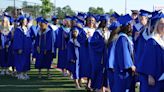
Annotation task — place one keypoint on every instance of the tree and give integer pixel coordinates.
(111, 11)
(61, 12)
(46, 7)
(98, 10)
(92, 10)
(24, 4)
(68, 11)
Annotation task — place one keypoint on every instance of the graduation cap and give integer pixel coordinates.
(81, 15)
(74, 18)
(115, 15)
(68, 17)
(11, 19)
(29, 18)
(124, 20)
(75, 28)
(114, 25)
(38, 19)
(54, 18)
(103, 17)
(20, 18)
(145, 13)
(91, 15)
(154, 13)
(43, 20)
(80, 21)
(135, 11)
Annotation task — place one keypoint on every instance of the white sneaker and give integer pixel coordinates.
(7, 72)
(26, 76)
(65, 74)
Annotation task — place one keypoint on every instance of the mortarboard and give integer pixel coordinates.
(115, 15)
(20, 18)
(29, 18)
(54, 18)
(145, 13)
(114, 25)
(135, 11)
(43, 20)
(124, 20)
(80, 21)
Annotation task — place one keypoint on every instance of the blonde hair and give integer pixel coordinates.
(6, 20)
(155, 31)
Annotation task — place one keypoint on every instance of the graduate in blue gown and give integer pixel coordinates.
(110, 63)
(62, 38)
(82, 39)
(89, 29)
(10, 39)
(5, 30)
(33, 34)
(123, 65)
(152, 61)
(43, 45)
(98, 45)
(143, 34)
(2, 51)
(73, 56)
(22, 49)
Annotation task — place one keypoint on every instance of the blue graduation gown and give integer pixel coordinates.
(61, 43)
(97, 60)
(44, 42)
(10, 49)
(2, 50)
(139, 48)
(110, 65)
(83, 50)
(33, 34)
(72, 56)
(21, 42)
(122, 65)
(152, 63)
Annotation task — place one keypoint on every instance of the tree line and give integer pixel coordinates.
(47, 8)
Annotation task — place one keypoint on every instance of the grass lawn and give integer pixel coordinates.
(58, 83)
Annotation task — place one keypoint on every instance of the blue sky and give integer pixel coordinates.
(83, 5)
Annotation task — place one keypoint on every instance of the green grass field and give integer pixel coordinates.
(58, 83)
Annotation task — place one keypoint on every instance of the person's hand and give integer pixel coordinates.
(151, 80)
(20, 51)
(133, 68)
(88, 34)
(38, 50)
(73, 61)
(45, 52)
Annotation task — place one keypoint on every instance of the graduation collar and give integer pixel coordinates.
(47, 30)
(67, 30)
(129, 41)
(101, 32)
(160, 41)
(146, 34)
(75, 42)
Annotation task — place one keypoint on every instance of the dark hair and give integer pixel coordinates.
(126, 29)
(21, 22)
(102, 24)
(113, 34)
